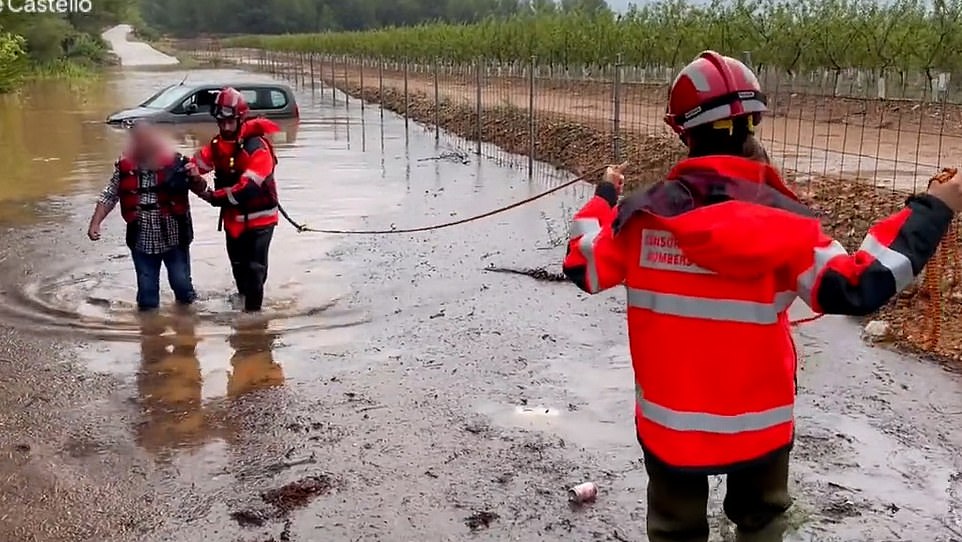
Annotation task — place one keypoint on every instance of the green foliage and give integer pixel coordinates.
(12, 60)
(796, 35)
(50, 44)
(188, 18)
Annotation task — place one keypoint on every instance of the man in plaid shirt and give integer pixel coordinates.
(151, 185)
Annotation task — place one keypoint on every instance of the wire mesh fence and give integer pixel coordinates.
(833, 124)
(853, 145)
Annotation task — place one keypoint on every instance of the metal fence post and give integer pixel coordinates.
(311, 61)
(300, 69)
(380, 85)
(437, 104)
(347, 84)
(362, 86)
(747, 56)
(333, 81)
(616, 120)
(478, 100)
(531, 118)
(406, 103)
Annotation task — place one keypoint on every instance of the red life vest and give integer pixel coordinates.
(713, 356)
(171, 202)
(230, 159)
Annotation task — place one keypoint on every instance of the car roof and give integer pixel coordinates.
(237, 84)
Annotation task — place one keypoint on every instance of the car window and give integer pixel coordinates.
(167, 97)
(250, 96)
(278, 99)
(182, 107)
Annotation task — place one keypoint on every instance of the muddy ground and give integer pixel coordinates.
(573, 141)
(460, 407)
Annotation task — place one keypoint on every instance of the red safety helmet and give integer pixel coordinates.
(230, 104)
(711, 88)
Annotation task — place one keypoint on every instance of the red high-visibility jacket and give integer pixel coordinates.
(243, 176)
(711, 259)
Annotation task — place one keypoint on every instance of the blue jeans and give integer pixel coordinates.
(147, 266)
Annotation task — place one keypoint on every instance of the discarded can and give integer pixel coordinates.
(583, 492)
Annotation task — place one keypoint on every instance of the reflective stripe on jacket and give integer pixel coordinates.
(172, 202)
(711, 260)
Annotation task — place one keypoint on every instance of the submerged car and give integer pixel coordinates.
(182, 103)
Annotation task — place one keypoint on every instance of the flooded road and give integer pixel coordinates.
(134, 53)
(410, 394)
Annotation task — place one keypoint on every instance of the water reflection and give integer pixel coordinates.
(252, 364)
(170, 383)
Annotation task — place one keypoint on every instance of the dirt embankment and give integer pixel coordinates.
(576, 139)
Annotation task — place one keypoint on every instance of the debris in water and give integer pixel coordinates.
(583, 493)
(454, 156)
(297, 494)
(249, 518)
(481, 520)
(839, 509)
(477, 427)
(537, 273)
(284, 465)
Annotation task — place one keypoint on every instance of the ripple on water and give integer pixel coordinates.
(92, 304)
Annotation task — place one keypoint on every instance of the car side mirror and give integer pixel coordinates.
(190, 109)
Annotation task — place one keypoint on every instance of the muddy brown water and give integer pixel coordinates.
(435, 401)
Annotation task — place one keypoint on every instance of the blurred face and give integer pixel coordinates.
(147, 142)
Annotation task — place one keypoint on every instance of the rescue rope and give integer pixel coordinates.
(801, 321)
(562, 186)
(302, 227)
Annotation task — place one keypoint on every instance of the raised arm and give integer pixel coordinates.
(595, 260)
(894, 251)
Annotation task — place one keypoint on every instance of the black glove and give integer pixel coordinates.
(178, 181)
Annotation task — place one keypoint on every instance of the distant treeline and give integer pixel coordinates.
(189, 18)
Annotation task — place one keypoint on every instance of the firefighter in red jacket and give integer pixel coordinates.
(243, 160)
(711, 259)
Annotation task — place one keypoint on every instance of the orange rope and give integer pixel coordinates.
(946, 257)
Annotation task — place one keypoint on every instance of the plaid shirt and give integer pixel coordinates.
(158, 232)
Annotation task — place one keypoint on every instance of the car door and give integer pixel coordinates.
(271, 102)
(190, 109)
(251, 96)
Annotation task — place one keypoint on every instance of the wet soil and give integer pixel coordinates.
(848, 206)
(66, 467)
(464, 404)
